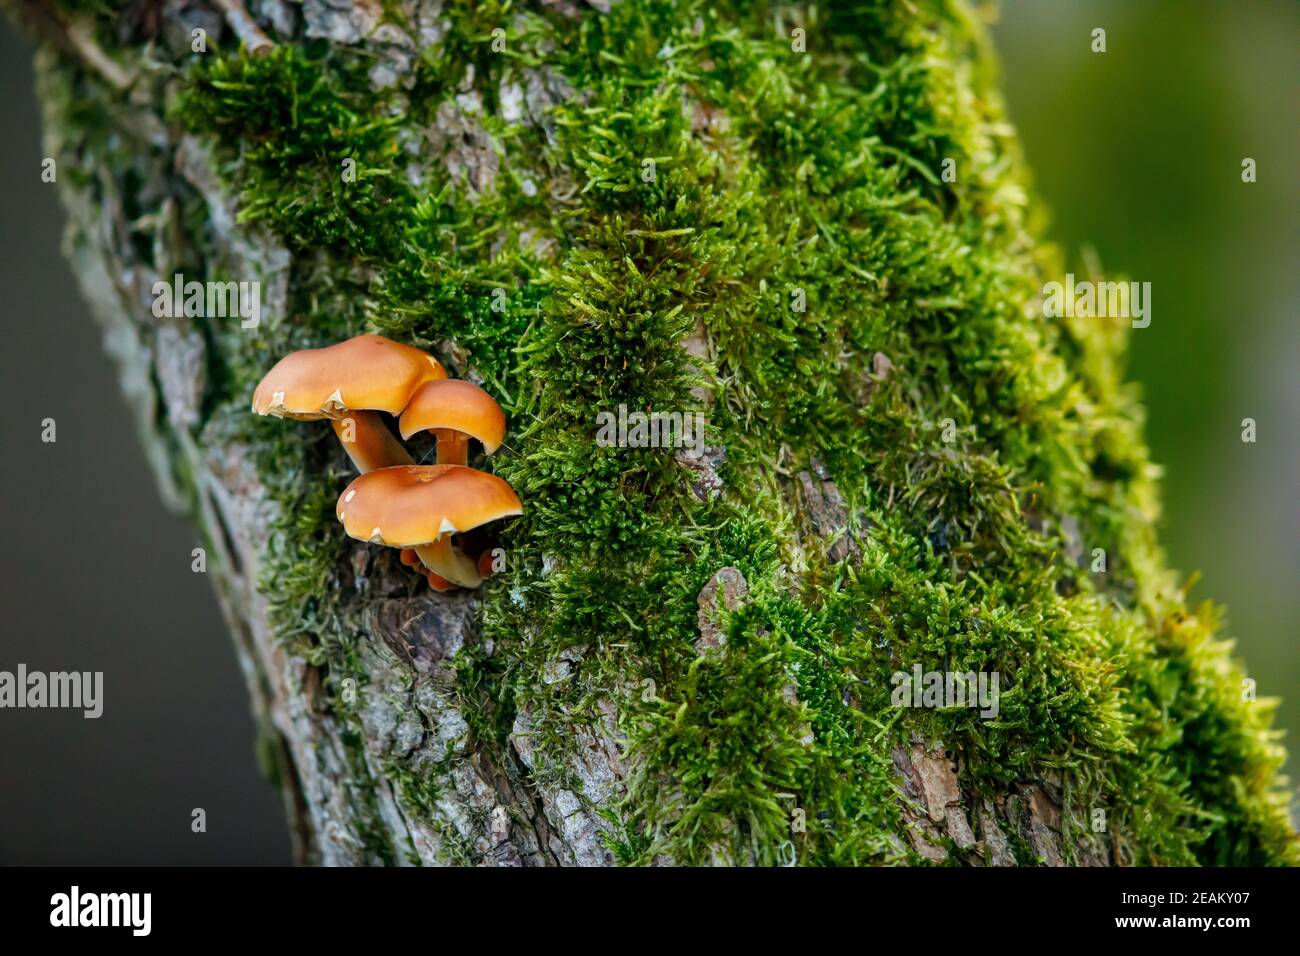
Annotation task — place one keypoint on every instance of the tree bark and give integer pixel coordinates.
(399, 769)
(341, 808)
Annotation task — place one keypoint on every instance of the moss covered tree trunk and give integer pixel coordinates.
(809, 224)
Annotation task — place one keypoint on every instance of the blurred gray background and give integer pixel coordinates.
(96, 577)
(1137, 151)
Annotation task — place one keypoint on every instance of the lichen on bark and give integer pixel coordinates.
(671, 206)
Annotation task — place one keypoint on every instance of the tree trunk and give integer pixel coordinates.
(811, 227)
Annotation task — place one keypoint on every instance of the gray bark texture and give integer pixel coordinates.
(400, 771)
(492, 808)
(487, 813)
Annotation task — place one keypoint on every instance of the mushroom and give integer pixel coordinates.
(350, 382)
(455, 411)
(421, 507)
(409, 558)
(485, 564)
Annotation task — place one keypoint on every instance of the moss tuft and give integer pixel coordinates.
(706, 180)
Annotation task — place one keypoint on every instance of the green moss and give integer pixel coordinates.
(328, 184)
(776, 176)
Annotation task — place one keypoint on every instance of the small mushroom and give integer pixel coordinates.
(438, 582)
(421, 507)
(409, 558)
(351, 381)
(455, 411)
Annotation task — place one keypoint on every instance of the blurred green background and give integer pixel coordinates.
(1137, 153)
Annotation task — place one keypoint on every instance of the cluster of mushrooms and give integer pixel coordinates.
(395, 502)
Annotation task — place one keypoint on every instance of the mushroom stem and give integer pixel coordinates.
(453, 446)
(368, 441)
(448, 563)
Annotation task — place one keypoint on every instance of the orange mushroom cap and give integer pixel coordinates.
(438, 582)
(409, 506)
(456, 405)
(368, 372)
